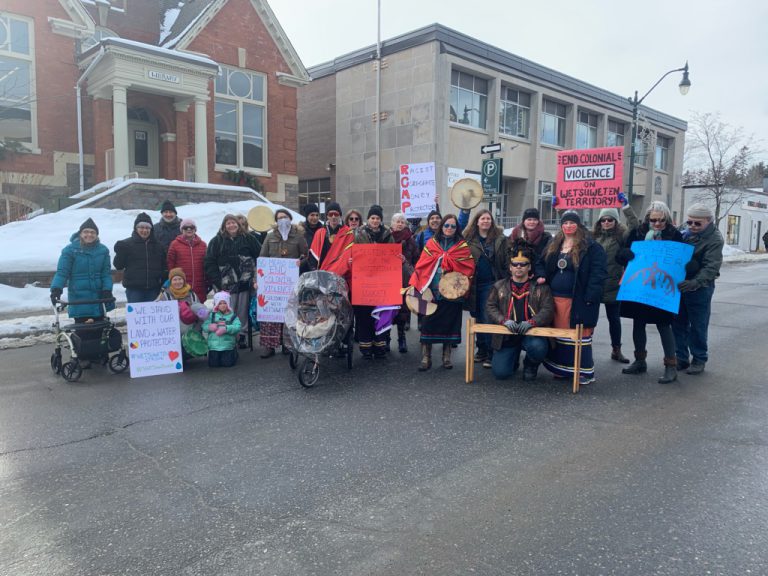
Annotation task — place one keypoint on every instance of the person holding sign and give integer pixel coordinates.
(656, 225)
(445, 252)
(575, 269)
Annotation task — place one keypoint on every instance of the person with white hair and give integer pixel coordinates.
(691, 325)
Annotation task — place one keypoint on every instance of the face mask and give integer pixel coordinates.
(284, 227)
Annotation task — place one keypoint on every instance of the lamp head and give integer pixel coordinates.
(685, 83)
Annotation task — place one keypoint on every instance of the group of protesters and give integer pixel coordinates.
(526, 280)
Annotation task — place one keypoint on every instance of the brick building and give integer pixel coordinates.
(170, 89)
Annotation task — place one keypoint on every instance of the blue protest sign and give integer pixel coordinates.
(653, 275)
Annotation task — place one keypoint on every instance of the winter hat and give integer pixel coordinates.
(284, 211)
(570, 216)
(187, 222)
(309, 209)
(221, 297)
(143, 217)
(177, 272)
(89, 225)
(609, 213)
(434, 213)
(331, 206)
(168, 205)
(700, 211)
(531, 213)
(376, 210)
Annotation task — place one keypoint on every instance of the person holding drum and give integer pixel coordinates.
(575, 271)
(445, 267)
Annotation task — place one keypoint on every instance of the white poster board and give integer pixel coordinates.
(276, 279)
(418, 191)
(154, 340)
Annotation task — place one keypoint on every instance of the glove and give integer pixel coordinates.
(554, 200)
(511, 325)
(688, 286)
(622, 198)
(692, 267)
(623, 256)
(523, 327)
(212, 327)
(107, 295)
(221, 330)
(55, 295)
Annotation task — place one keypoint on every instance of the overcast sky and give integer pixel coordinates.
(621, 47)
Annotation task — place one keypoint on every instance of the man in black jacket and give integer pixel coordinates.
(168, 227)
(142, 260)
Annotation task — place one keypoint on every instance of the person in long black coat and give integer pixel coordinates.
(142, 260)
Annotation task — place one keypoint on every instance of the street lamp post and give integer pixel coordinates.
(684, 86)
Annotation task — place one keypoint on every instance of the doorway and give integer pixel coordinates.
(143, 149)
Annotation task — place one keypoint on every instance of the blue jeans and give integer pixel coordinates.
(505, 359)
(143, 295)
(482, 291)
(691, 324)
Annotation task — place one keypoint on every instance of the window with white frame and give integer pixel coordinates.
(732, 231)
(469, 99)
(17, 86)
(240, 112)
(547, 212)
(514, 112)
(316, 191)
(642, 144)
(586, 130)
(553, 123)
(661, 161)
(616, 131)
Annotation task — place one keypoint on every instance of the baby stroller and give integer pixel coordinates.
(318, 319)
(81, 350)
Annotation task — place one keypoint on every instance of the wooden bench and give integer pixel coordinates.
(474, 328)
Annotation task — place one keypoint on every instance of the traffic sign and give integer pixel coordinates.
(490, 148)
(491, 176)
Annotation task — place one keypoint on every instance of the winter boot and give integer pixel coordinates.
(402, 345)
(529, 370)
(426, 357)
(696, 367)
(618, 356)
(638, 366)
(447, 364)
(366, 349)
(670, 370)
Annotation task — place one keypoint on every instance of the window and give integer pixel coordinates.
(515, 112)
(586, 130)
(615, 133)
(240, 119)
(732, 233)
(314, 192)
(641, 147)
(661, 161)
(553, 123)
(546, 210)
(98, 35)
(17, 86)
(469, 99)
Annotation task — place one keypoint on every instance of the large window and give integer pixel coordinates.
(586, 130)
(661, 161)
(469, 99)
(17, 88)
(732, 232)
(316, 191)
(553, 123)
(514, 112)
(240, 111)
(642, 146)
(546, 210)
(615, 133)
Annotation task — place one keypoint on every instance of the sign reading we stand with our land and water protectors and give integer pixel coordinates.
(154, 338)
(589, 178)
(276, 279)
(418, 191)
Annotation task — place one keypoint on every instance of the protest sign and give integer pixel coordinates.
(417, 189)
(653, 274)
(377, 274)
(589, 178)
(276, 279)
(154, 341)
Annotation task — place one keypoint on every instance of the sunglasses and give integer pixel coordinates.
(330, 214)
(656, 220)
(189, 228)
(607, 220)
(519, 264)
(353, 219)
(449, 226)
(694, 223)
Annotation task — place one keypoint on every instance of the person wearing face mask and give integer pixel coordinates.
(331, 244)
(142, 260)
(656, 225)
(285, 240)
(575, 271)
(691, 325)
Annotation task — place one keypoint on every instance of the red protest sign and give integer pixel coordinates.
(377, 274)
(589, 178)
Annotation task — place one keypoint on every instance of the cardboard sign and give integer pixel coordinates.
(589, 178)
(154, 338)
(417, 189)
(277, 278)
(653, 275)
(377, 274)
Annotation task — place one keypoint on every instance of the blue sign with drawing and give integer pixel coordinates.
(653, 275)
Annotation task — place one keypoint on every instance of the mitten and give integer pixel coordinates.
(623, 256)
(212, 327)
(511, 325)
(622, 198)
(55, 295)
(221, 330)
(523, 327)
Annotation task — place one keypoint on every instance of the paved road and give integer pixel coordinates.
(384, 471)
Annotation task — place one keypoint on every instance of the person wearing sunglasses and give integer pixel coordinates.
(332, 241)
(353, 219)
(187, 251)
(656, 225)
(691, 325)
(612, 235)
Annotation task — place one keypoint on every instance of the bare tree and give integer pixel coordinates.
(719, 158)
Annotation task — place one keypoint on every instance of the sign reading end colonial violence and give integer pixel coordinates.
(589, 178)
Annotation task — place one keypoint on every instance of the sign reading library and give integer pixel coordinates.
(589, 178)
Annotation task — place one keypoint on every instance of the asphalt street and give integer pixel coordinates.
(383, 470)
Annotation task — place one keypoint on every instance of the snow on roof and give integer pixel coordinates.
(189, 14)
(168, 20)
(160, 51)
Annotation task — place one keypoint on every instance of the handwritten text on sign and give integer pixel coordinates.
(653, 274)
(417, 189)
(589, 178)
(154, 342)
(377, 274)
(276, 279)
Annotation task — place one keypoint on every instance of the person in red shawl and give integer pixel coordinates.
(330, 249)
(445, 252)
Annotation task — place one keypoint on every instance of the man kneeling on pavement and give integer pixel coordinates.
(519, 304)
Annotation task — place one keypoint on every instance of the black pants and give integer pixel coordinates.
(365, 327)
(222, 358)
(639, 338)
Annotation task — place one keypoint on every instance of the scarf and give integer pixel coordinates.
(284, 228)
(530, 236)
(653, 234)
(457, 258)
(401, 235)
(181, 293)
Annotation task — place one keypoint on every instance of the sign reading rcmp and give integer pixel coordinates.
(589, 178)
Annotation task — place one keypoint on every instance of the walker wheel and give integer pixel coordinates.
(119, 362)
(56, 361)
(71, 371)
(309, 372)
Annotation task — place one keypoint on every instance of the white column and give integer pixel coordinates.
(120, 130)
(201, 140)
